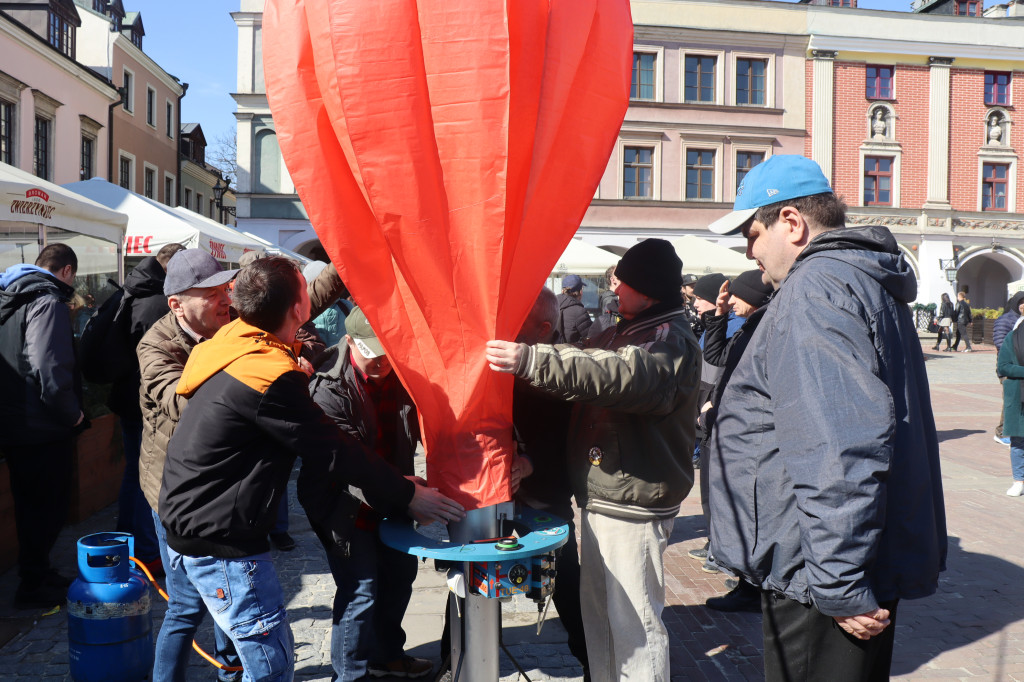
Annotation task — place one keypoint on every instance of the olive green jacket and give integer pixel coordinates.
(632, 431)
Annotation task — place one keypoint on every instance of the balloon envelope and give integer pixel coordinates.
(446, 151)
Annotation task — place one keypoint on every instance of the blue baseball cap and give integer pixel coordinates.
(573, 283)
(779, 178)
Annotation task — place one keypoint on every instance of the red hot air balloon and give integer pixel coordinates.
(446, 151)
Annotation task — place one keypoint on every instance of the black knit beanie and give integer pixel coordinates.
(653, 268)
(708, 286)
(749, 287)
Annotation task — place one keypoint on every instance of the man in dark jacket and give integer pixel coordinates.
(40, 408)
(358, 391)
(573, 320)
(964, 321)
(630, 448)
(607, 305)
(827, 417)
(144, 302)
(1000, 329)
(249, 415)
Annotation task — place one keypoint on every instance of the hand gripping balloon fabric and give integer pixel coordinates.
(445, 152)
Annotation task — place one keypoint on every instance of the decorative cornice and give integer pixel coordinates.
(973, 224)
(824, 54)
(941, 61)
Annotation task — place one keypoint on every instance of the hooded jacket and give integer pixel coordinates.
(574, 322)
(40, 389)
(249, 414)
(632, 431)
(825, 480)
(144, 303)
(1002, 327)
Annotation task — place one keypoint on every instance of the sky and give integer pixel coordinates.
(197, 41)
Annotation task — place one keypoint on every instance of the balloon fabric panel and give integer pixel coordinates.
(446, 151)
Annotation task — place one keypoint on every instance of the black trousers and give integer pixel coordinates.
(802, 644)
(41, 488)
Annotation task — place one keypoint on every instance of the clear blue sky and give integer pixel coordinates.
(197, 41)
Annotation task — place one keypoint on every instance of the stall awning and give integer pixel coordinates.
(31, 200)
(581, 258)
(702, 257)
(152, 225)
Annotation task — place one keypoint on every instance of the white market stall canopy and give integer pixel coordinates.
(702, 257)
(31, 200)
(152, 225)
(581, 258)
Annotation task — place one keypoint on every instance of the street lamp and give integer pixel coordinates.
(218, 199)
(950, 267)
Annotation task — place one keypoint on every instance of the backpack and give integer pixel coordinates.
(105, 351)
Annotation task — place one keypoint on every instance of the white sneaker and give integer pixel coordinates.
(1016, 490)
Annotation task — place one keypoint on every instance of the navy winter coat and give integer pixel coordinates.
(825, 481)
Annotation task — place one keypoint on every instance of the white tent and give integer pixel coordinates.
(581, 258)
(152, 225)
(702, 257)
(29, 205)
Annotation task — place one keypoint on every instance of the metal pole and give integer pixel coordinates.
(481, 616)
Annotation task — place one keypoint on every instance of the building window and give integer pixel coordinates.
(993, 186)
(149, 180)
(699, 82)
(750, 81)
(88, 146)
(7, 132)
(700, 174)
(187, 203)
(137, 38)
(127, 82)
(967, 8)
(61, 34)
(643, 76)
(170, 120)
(879, 82)
(199, 203)
(124, 177)
(840, 3)
(997, 87)
(638, 173)
(744, 162)
(877, 181)
(41, 153)
(99, 6)
(211, 208)
(169, 191)
(151, 107)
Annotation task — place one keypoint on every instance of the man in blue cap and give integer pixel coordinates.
(827, 416)
(574, 322)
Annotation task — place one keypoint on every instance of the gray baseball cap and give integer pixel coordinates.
(194, 269)
(358, 327)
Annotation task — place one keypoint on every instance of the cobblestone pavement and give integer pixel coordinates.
(971, 629)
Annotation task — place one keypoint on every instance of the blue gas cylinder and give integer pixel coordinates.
(110, 624)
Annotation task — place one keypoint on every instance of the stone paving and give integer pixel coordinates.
(972, 629)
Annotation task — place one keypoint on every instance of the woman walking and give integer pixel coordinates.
(1011, 366)
(944, 321)
(963, 320)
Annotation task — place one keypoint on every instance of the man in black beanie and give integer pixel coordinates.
(634, 389)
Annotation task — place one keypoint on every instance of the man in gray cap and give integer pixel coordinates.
(634, 389)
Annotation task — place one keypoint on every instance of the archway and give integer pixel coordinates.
(985, 274)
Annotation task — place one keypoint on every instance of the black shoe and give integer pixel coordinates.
(700, 554)
(745, 598)
(282, 541)
(41, 597)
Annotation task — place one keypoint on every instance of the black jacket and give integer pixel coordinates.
(573, 324)
(608, 313)
(145, 303)
(40, 388)
(248, 416)
(962, 313)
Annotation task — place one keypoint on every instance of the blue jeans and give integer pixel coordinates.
(185, 611)
(245, 598)
(374, 587)
(134, 514)
(1017, 457)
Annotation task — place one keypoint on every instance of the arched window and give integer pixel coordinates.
(268, 163)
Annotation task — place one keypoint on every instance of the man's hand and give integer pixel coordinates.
(428, 505)
(866, 625)
(522, 468)
(305, 366)
(722, 304)
(505, 356)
